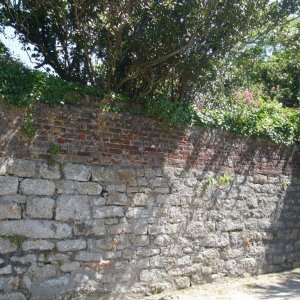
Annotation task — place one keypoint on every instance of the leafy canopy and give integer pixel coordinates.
(137, 47)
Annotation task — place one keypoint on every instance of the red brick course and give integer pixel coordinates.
(87, 135)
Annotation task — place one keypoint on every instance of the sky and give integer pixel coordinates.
(10, 40)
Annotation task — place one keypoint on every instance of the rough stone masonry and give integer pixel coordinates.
(126, 207)
(75, 230)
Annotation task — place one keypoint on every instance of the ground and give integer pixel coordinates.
(277, 286)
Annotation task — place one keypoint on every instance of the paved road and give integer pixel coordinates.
(279, 286)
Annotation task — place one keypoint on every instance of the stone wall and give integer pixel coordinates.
(173, 208)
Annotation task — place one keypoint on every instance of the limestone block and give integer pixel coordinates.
(71, 245)
(41, 273)
(27, 259)
(89, 256)
(117, 198)
(3, 165)
(37, 187)
(94, 227)
(67, 187)
(37, 245)
(9, 283)
(6, 246)
(50, 171)
(126, 174)
(8, 185)
(116, 188)
(35, 229)
(104, 244)
(6, 270)
(70, 267)
(21, 167)
(215, 241)
(183, 282)
(108, 212)
(103, 174)
(73, 208)
(98, 201)
(229, 225)
(13, 296)
(152, 275)
(10, 211)
(140, 240)
(141, 199)
(89, 188)
(40, 208)
(147, 252)
(77, 172)
(19, 199)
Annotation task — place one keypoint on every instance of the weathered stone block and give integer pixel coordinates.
(104, 244)
(6, 270)
(162, 240)
(10, 211)
(141, 199)
(137, 213)
(138, 226)
(147, 252)
(103, 174)
(108, 212)
(98, 201)
(40, 208)
(27, 259)
(50, 171)
(21, 167)
(35, 229)
(229, 225)
(116, 229)
(3, 165)
(91, 227)
(152, 275)
(216, 241)
(9, 283)
(6, 246)
(67, 187)
(89, 188)
(70, 267)
(8, 185)
(183, 282)
(13, 296)
(37, 245)
(126, 174)
(77, 172)
(37, 187)
(19, 199)
(89, 256)
(117, 198)
(71, 245)
(41, 273)
(140, 240)
(73, 208)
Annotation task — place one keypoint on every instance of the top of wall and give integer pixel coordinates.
(87, 135)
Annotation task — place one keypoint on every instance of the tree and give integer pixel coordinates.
(137, 47)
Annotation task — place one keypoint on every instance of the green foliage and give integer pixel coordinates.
(54, 149)
(224, 180)
(132, 47)
(28, 127)
(22, 86)
(210, 181)
(15, 239)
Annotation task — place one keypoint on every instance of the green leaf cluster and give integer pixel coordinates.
(22, 86)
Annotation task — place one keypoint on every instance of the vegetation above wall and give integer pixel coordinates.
(243, 113)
